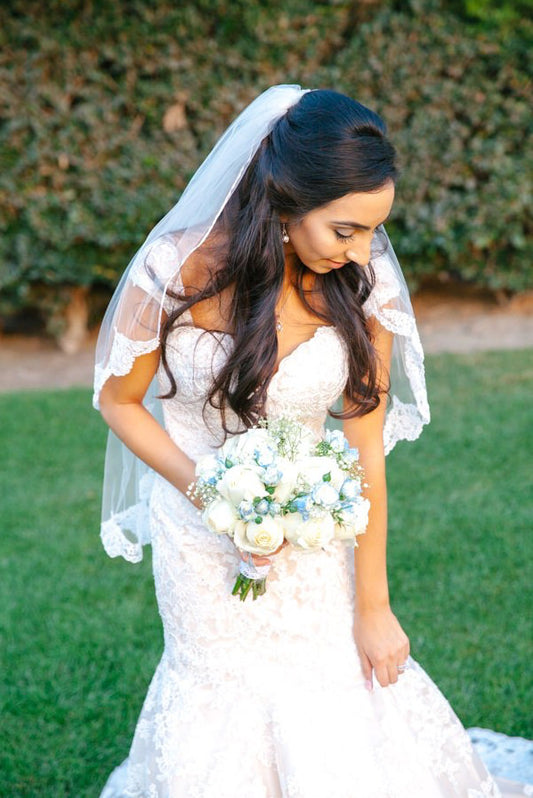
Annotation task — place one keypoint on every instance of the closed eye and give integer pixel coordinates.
(342, 237)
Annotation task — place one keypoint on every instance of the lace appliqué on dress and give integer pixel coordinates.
(123, 354)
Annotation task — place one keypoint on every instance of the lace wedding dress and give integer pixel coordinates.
(266, 699)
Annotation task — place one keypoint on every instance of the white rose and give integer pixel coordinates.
(338, 476)
(241, 483)
(354, 522)
(220, 517)
(325, 494)
(313, 470)
(288, 481)
(312, 534)
(263, 538)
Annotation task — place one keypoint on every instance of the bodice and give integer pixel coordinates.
(308, 381)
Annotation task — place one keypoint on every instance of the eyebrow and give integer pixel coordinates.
(356, 225)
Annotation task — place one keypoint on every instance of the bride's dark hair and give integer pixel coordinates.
(324, 147)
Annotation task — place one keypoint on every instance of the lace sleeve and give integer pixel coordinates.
(131, 328)
(132, 324)
(390, 304)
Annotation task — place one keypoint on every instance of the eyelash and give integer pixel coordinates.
(340, 237)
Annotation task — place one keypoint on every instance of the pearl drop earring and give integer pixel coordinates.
(284, 234)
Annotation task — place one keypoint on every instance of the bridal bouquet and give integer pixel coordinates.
(275, 483)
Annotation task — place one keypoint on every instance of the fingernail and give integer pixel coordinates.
(368, 685)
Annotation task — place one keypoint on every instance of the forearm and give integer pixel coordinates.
(381, 642)
(371, 585)
(141, 433)
(366, 433)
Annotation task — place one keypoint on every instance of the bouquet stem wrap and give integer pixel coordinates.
(252, 578)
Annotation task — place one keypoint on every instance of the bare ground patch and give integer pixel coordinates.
(448, 322)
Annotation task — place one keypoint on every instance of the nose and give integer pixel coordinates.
(359, 254)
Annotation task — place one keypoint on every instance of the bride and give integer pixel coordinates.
(271, 289)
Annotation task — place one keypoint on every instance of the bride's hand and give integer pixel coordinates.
(258, 559)
(382, 645)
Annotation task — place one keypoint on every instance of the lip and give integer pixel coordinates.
(336, 264)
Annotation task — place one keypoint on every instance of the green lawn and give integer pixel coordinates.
(80, 634)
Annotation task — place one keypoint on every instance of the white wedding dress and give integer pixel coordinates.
(266, 699)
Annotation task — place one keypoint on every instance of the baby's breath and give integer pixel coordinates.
(287, 434)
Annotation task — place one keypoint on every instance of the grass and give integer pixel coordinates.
(460, 537)
(80, 632)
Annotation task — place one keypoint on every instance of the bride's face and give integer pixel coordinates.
(341, 231)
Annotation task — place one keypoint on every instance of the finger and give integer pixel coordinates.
(382, 674)
(393, 673)
(366, 667)
(257, 559)
(285, 543)
(402, 660)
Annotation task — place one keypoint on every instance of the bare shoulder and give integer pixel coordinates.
(203, 263)
(213, 312)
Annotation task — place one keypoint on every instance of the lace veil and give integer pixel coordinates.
(132, 323)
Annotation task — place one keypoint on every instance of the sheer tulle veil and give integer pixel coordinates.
(132, 324)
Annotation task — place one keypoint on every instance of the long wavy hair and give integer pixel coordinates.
(325, 147)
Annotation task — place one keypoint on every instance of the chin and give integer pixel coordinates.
(319, 268)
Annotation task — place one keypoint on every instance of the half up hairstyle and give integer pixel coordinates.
(325, 147)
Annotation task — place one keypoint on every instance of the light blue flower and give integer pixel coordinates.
(262, 507)
(350, 457)
(271, 475)
(336, 440)
(247, 510)
(208, 477)
(265, 456)
(302, 505)
(209, 470)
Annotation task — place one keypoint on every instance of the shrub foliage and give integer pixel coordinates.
(107, 108)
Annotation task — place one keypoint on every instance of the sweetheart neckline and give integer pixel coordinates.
(284, 359)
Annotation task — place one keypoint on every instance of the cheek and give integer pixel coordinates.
(311, 242)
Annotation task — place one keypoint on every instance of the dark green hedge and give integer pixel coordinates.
(107, 108)
(459, 110)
